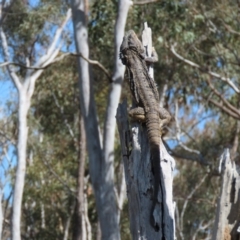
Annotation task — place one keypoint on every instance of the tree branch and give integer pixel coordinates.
(216, 92)
(70, 130)
(213, 74)
(178, 133)
(225, 109)
(52, 47)
(30, 80)
(12, 74)
(145, 2)
(46, 59)
(63, 182)
(229, 29)
(93, 62)
(189, 197)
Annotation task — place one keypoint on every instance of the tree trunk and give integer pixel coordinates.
(100, 158)
(23, 106)
(227, 215)
(101, 171)
(1, 211)
(114, 94)
(80, 232)
(139, 181)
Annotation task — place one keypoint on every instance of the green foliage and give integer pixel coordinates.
(25, 26)
(200, 206)
(206, 33)
(101, 27)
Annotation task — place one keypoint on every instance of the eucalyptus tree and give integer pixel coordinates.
(197, 43)
(100, 149)
(20, 38)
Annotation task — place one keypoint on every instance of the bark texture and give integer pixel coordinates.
(139, 181)
(80, 232)
(227, 219)
(100, 153)
(23, 107)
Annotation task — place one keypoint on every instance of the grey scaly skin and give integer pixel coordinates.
(145, 93)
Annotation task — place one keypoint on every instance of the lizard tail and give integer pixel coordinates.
(154, 135)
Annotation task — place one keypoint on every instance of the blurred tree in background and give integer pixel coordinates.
(198, 77)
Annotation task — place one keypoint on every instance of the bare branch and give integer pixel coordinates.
(145, 2)
(178, 133)
(163, 94)
(63, 182)
(30, 80)
(189, 197)
(202, 227)
(52, 47)
(12, 74)
(177, 221)
(70, 130)
(229, 29)
(93, 62)
(213, 74)
(225, 109)
(216, 92)
(46, 59)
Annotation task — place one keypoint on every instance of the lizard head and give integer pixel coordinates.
(132, 44)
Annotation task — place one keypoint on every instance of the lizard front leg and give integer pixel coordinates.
(138, 114)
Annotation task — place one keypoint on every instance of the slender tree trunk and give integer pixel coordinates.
(1, 212)
(80, 232)
(23, 106)
(114, 93)
(102, 183)
(100, 158)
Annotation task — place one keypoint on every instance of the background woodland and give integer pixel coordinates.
(59, 93)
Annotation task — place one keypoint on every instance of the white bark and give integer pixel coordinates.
(227, 214)
(121, 190)
(115, 92)
(100, 157)
(23, 107)
(139, 181)
(86, 222)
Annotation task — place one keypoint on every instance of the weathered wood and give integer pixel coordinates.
(147, 43)
(228, 208)
(140, 179)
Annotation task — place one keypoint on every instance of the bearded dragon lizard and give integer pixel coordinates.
(145, 93)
